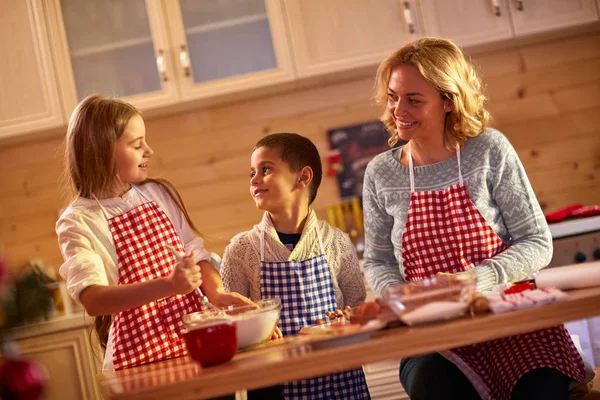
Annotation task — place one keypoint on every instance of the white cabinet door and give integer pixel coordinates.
(115, 48)
(336, 35)
(533, 16)
(30, 99)
(71, 362)
(154, 53)
(467, 22)
(226, 46)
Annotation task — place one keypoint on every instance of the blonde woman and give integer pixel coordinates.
(456, 198)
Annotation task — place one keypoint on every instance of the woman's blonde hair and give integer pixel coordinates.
(91, 168)
(443, 65)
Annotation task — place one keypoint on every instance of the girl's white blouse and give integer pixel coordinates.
(87, 245)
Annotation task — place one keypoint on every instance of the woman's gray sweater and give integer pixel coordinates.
(497, 185)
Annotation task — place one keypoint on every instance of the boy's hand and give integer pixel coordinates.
(337, 314)
(185, 276)
(235, 299)
(276, 333)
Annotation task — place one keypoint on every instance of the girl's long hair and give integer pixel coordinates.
(90, 153)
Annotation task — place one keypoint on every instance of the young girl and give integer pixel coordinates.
(292, 255)
(114, 238)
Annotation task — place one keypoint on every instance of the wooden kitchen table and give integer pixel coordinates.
(276, 363)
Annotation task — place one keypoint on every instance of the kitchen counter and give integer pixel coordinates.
(574, 227)
(54, 325)
(67, 348)
(183, 379)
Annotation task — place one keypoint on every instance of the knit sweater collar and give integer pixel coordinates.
(304, 246)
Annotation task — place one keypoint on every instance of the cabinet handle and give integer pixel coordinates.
(496, 4)
(519, 5)
(160, 63)
(184, 59)
(408, 18)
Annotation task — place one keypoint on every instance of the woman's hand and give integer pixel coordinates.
(185, 276)
(455, 276)
(445, 276)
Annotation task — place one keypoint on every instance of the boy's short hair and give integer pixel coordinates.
(298, 152)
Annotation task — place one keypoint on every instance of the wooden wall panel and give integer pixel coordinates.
(535, 132)
(544, 97)
(543, 80)
(561, 52)
(578, 98)
(581, 173)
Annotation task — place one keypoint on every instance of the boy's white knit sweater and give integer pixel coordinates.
(240, 268)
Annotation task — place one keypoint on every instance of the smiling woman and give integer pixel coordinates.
(416, 107)
(455, 199)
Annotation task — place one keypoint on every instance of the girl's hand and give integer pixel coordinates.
(232, 299)
(186, 275)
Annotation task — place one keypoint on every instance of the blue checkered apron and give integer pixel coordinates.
(306, 292)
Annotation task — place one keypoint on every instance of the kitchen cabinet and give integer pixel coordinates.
(154, 53)
(69, 353)
(466, 22)
(533, 16)
(470, 22)
(227, 46)
(30, 100)
(339, 35)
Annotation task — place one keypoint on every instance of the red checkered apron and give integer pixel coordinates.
(446, 233)
(151, 332)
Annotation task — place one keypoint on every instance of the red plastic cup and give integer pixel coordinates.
(211, 342)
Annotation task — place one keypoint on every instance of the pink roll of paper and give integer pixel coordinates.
(569, 277)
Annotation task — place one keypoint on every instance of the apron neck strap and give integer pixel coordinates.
(460, 178)
(319, 236)
(104, 209)
(412, 174)
(262, 245)
(410, 169)
(101, 206)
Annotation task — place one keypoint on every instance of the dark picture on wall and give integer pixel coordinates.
(357, 145)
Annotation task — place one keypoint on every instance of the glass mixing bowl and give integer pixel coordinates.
(254, 323)
(441, 291)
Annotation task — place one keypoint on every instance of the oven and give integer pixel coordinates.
(578, 241)
(575, 241)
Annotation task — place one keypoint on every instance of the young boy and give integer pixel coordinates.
(292, 255)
